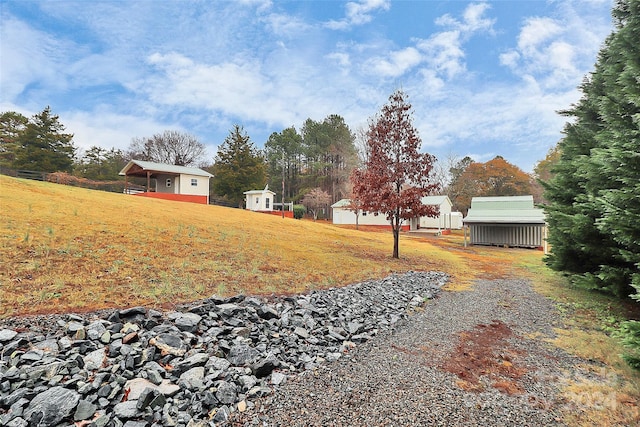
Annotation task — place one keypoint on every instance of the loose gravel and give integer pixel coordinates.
(398, 380)
(392, 352)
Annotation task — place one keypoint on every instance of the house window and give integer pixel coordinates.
(168, 182)
(257, 201)
(266, 203)
(194, 182)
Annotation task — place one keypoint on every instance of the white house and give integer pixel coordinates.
(259, 200)
(170, 182)
(446, 219)
(343, 215)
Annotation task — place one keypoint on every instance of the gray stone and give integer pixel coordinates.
(194, 377)
(197, 359)
(17, 422)
(137, 385)
(227, 392)
(50, 346)
(95, 360)
(265, 366)
(169, 344)
(146, 397)
(188, 321)
(126, 410)
(133, 311)
(301, 332)
(278, 378)
(51, 406)
(84, 410)
(218, 363)
(242, 354)
(221, 415)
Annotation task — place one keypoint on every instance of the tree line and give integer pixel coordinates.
(321, 156)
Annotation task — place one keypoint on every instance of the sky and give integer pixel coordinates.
(484, 78)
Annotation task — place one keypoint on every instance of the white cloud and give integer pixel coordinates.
(106, 128)
(29, 56)
(358, 13)
(396, 64)
(558, 51)
(444, 50)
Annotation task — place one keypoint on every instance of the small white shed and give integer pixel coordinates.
(259, 200)
(446, 219)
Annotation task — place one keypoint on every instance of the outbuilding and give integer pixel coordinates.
(510, 221)
(446, 219)
(259, 200)
(169, 182)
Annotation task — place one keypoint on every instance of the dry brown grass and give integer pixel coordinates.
(71, 249)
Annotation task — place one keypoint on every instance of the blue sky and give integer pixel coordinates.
(484, 78)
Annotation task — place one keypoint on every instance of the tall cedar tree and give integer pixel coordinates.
(593, 210)
(396, 176)
(43, 145)
(238, 167)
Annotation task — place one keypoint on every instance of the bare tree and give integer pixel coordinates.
(315, 200)
(171, 147)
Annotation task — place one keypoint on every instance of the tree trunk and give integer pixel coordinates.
(395, 225)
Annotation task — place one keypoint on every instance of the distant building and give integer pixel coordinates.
(506, 221)
(343, 214)
(259, 200)
(169, 182)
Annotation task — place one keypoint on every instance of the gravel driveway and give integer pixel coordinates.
(472, 358)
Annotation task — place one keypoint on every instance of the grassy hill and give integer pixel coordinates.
(71, 249)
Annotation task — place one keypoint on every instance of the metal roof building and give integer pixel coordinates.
(505, 221)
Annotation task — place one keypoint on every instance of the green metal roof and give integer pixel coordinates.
(164, 168)
(504, 210)
(342, 203)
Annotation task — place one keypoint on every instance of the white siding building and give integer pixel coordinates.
(259, 200)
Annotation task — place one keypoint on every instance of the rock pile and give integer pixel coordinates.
(140, 367)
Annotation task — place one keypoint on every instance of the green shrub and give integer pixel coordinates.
(299, 211)
(630, 334)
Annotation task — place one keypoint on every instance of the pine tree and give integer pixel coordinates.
(238, 167)
(43, 145)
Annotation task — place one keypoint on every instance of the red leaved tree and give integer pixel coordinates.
(396, 176)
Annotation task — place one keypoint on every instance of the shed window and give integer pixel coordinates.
(168, 182)
(257, 201)
(194, 182)
(266, 203)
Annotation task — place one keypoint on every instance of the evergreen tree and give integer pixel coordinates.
(12, 125)
(43, 145)
(592, 197)
(284, 150)
(238, 167)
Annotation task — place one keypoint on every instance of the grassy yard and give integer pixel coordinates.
(70, 249)
(66, 249)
